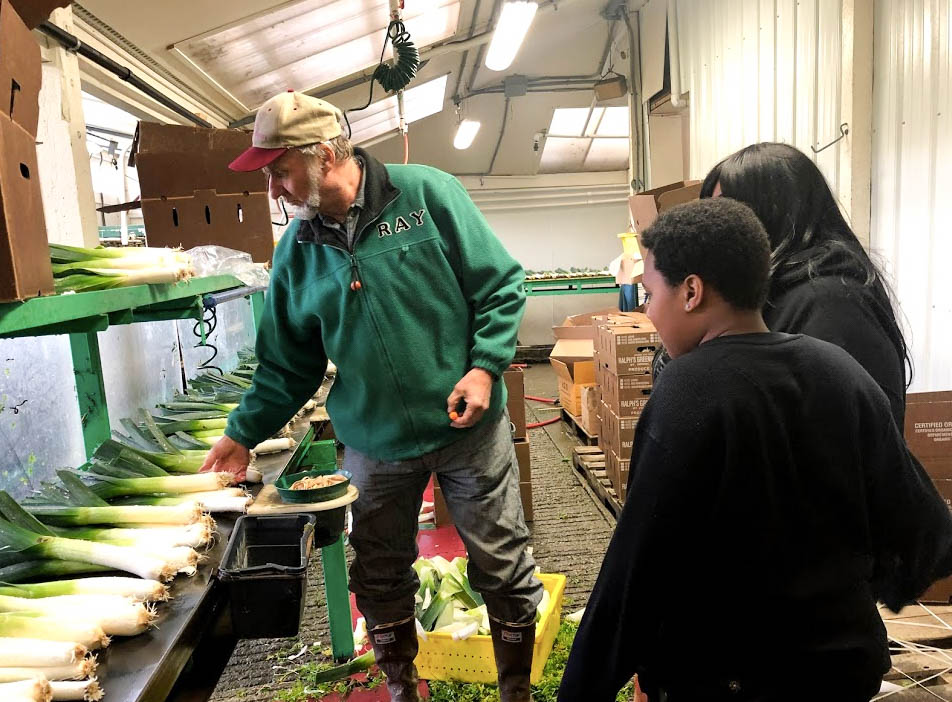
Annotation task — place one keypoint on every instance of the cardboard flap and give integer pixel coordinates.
(571, 350)
(646, 206)
(671, 198)
(562, 370)
(580, 326)
(20, 72)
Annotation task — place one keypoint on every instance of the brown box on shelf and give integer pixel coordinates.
(573, 361)
(581, 326)
(589, 419)
(20, 71)
(618, 474)
(605, 437)
(646, 206)
(522, 456)
(205, 202)
(25, 269)
(516, 404)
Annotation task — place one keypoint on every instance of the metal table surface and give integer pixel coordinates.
(145, 668)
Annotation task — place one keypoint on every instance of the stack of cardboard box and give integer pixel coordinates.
(25, 269)
(928, 433)
(516, 404)
(625, 346)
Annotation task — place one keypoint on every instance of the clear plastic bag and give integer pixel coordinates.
(219, 260)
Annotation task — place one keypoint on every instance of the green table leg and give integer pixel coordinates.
(338, 600)
(257, 307)
(90, 391)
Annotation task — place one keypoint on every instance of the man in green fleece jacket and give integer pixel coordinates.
(394, 273)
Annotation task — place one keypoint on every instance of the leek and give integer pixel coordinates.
(194, 535)
(118, 616)
(32, 625)
(178, 484)
(80, 494)
(187, 513)
(53, 547)
(134, 588)
(36, 690)
(274, 446)
(23, 653)
(360, 664)
(79, 670)
(228, 500)
(81, 690)
(32, 569)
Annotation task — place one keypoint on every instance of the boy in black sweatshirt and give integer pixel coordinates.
(771, 503)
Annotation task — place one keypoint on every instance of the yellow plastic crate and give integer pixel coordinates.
(471, 660)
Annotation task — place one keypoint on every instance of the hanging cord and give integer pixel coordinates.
(285, 210)
(392, 78)
(207, 323)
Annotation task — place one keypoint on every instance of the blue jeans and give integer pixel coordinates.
(479, 477)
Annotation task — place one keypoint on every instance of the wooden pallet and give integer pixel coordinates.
(574, 427)
(590, 462)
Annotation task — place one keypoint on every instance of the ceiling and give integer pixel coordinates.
(237, 53)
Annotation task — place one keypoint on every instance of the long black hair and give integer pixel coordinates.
(808, 234)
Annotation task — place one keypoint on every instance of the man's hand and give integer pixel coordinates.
(228, 456)
(475, 389)
(639, 695)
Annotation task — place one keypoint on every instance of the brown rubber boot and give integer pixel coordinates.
(512, 646)
(395, 647)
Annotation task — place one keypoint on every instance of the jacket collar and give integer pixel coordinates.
(379, 192)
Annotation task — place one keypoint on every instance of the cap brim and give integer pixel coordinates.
(254, 158)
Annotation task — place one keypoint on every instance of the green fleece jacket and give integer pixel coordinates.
(438, 296)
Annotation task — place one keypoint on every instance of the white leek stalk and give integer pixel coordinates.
(274, 446)
(33, 625)
(118, 515)
(194, 535)
(126, 558)
(79, 670)
(36, 690)
(81, 690)
(39, 652)
(118, 616)
(253, 475)
(137, 589)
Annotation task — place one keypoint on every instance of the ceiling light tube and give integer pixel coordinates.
(511, 30)
(465, 134)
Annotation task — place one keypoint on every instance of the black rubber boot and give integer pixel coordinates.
(395, 647)
(512, 646)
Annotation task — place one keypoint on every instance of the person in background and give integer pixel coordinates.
(394, 273)
(822, 281)
(768, 482)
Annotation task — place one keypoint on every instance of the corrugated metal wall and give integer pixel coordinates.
(761, 70)
(912, 175)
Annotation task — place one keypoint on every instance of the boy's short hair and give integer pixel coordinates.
(718, 239)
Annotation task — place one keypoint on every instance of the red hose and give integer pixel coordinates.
(541, 399)
(535, 425)
(406, 148)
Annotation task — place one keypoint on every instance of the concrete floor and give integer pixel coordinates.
(569, 535)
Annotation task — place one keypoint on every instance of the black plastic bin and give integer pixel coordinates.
(265, 571)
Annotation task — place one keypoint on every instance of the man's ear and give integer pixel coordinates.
(693, 292)
(328, 159)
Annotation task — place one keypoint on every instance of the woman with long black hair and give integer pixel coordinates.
(823, 283)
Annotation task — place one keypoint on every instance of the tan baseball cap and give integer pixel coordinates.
(286, 120)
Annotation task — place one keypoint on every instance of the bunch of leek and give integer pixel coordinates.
(35, 690)
(78, 269)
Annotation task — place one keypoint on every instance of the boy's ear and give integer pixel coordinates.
(693, 292)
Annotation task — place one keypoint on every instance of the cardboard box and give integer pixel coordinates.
(625, 395)
(627, 348)
(20, 72)
(516, 404)
(619, 433)
(36, 12)
(928, 427)
(604, 437)
(620, 471)
(522, 456)
(191, 198)
(573, 361)
(941, 591)
(591, 399)
(581, 326)
(645, 207)
(25, 269)
(525, 491)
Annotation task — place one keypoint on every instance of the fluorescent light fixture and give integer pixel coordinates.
(465, 134)
(511, 30)
(382, 116)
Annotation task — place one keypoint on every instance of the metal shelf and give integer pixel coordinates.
(580, 285)
(83, 315)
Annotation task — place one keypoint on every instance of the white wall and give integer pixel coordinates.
(761, 70)
(551, 237)
(912, 175)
